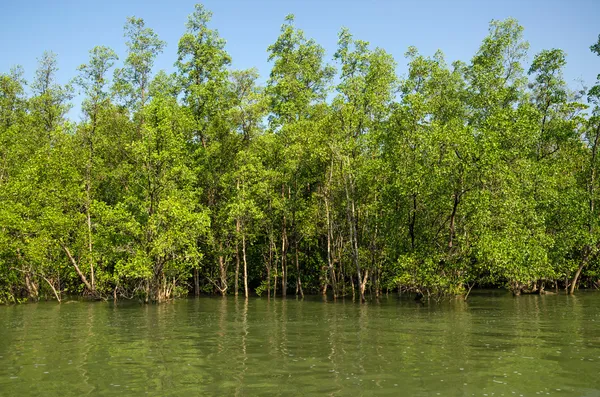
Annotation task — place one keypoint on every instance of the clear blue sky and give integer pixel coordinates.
(71, 28)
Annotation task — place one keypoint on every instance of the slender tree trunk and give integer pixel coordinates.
(583, 263)
(90, 244)
(329, 259)
(283, 261)
(32, 289)
(270, 265)
(363, 285)
(147, 290)
(196, 283)
(330, 264)
(222, 270)
(351, 215)
(298, 280)
(237, 257)
(374, 266)
(341, 274)
(74, 263)
(469, 291)
(88, 192)
(269, 282)
(275, 270)
(223, 275)
(376, 282)
(411, 226)
(452, 218)
(245, 265)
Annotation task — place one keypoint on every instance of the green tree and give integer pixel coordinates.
(365, 93)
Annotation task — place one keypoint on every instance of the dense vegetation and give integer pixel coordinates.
(337, 178)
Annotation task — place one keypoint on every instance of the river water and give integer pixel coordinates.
(492, 345)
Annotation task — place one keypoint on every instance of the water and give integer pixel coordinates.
(494, 345)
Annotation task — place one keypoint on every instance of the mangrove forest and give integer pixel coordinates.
(332, 175)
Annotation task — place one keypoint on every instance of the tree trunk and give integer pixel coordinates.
(516, 288)
(74, 263)
(269, 265)
(32, 289)
(283, 261)
(578, 273)
(275, 269)
(269, 282)
(196, 283)
(222, 271)
(275, 281)
(413, 218)
(245, 265)
(223, 275)
(376, 282)
(298, 280)
(237, 257)
(90, 244)
(88, 215)
(363, 285)
(351, 216)
(341, 275)
(147, 290)
(329, 259)
(53, 289)
(452, 219)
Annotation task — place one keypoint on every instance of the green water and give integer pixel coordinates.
(494, 345)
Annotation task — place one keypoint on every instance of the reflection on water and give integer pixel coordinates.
(492, 345)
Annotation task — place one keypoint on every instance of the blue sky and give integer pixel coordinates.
(71, 28)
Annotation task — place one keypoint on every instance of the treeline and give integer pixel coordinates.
(336, 177)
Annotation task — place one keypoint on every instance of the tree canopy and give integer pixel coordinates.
(338, 176)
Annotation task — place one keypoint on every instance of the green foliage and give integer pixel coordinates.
(204, 181)
(143, 45)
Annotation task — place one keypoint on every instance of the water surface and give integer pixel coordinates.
(493, 345)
